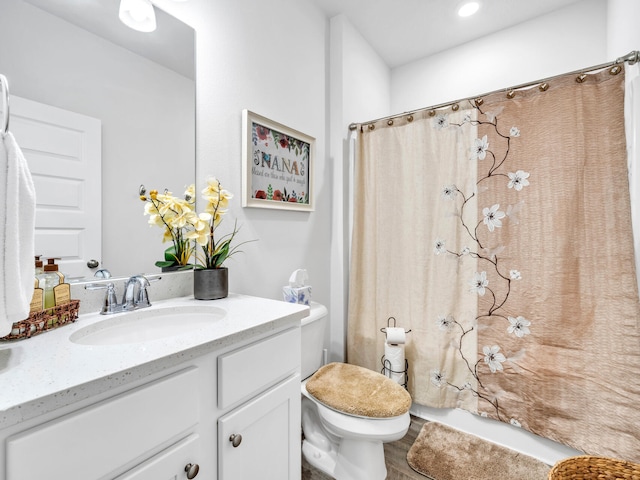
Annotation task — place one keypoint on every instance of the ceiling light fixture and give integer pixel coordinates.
(138, 14)
(468, 8)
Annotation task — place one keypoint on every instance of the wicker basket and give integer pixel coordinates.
(586, 467)
(44, 320)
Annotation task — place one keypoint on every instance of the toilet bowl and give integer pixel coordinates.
(343, 441)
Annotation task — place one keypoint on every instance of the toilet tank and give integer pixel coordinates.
(313, 330)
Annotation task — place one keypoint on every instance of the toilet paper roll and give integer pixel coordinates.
(396, 335)
(394, 363)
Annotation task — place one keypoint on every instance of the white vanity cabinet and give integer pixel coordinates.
(176, 423)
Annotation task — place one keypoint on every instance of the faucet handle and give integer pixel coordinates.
(110, 300)
(110, 303)
(143, 297)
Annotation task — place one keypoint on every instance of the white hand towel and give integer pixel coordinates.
(17, 232)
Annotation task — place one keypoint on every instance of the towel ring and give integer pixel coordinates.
(4, 84)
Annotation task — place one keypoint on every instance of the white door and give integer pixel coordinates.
(63, 150)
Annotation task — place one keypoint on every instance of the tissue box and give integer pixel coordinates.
(297, 294)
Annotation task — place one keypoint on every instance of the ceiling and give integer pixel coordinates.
(402, 31)
(165, 46)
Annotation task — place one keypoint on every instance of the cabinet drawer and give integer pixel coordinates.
(168, 464)
(249, 370)
(100, 439)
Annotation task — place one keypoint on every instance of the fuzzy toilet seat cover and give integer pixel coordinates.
(358, 391)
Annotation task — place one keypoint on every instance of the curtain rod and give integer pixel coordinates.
(631, 58)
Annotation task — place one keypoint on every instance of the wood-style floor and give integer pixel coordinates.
(395, 457)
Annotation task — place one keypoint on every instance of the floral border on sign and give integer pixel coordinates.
(488, 255)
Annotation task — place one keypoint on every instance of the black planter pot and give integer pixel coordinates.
(210, 284)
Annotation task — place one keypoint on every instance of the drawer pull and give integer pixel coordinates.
(235, 440)
(192, 470)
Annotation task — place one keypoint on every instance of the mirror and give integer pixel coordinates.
(76, 55)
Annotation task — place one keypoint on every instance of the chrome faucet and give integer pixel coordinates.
(135, 295)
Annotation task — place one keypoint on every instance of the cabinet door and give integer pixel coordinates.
(270, 430)
(170, 463)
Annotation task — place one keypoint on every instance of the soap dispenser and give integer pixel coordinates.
(39, 269)
(48, 280)
(37, 299)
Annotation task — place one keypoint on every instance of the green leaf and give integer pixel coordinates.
(170, 254)
(222, 254)
(165, 264)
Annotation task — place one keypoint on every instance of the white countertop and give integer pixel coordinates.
(48, 371)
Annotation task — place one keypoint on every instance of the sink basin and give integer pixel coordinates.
(147, 325)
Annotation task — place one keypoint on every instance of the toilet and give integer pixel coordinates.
(344, 432)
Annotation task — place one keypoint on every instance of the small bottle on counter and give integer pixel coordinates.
(39, 269)
(49, 279)
(37, 300)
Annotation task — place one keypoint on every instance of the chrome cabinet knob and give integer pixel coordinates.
(235, 440)
(93, 263)
(192, 470)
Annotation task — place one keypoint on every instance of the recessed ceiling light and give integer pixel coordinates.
(468, 8)
(138, 14)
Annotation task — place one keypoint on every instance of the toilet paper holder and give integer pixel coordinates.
(388, 369)
(384, 329)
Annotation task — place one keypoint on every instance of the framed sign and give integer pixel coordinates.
(277, 165)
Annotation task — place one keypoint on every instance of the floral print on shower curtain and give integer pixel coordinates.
(500, 234)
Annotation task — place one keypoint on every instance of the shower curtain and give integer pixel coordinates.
(499, 232)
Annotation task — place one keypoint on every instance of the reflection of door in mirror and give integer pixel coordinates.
(64, 53)
(62, 149)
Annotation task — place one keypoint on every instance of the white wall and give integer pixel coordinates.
(623, 36)
(270, 58)
(567, 39)
(360, 88)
